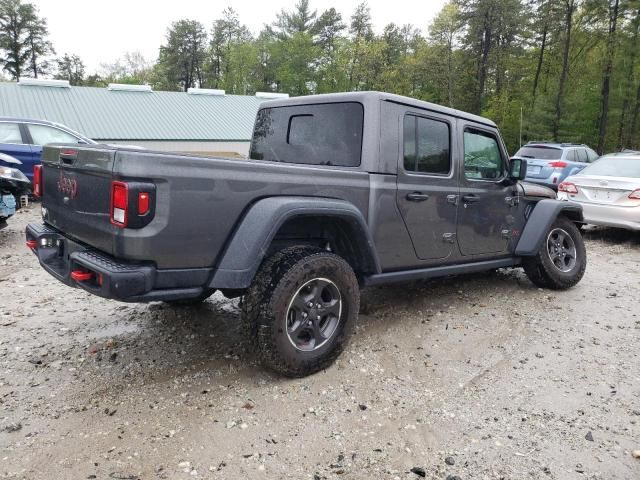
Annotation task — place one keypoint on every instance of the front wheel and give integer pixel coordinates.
(562, 259)
(301, 309)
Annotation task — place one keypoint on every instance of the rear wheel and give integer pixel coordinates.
(562, 259)
(300, 310)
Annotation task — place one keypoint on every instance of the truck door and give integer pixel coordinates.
(487, 204)
(427, 184)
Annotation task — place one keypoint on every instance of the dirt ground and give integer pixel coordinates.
(481, 377)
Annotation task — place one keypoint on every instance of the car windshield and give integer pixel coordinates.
(614, 167)
(544, 153)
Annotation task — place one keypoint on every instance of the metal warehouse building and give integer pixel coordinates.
(201, 120)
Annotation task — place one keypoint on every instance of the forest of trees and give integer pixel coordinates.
(570, 67)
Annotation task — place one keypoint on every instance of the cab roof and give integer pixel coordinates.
(367, 97)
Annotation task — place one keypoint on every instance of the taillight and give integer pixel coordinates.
(558, 164)
(119, 204)
(635, 195)
(143, 203)
(37, 181)
(567, 187)
(32, 244)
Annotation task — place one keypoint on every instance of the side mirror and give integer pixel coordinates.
(517, 169)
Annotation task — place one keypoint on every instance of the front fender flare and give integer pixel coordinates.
(251, 239)
(543, 215)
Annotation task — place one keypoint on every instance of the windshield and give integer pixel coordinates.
(614, 167)
(544, 153)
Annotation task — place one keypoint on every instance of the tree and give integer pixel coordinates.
(38, 46)
(227, 32)
(71, 68)
(568, 9)
(22, 39)
(182, 57)
(623, 139)
(613, 7)
(444, 33)
(300, 20)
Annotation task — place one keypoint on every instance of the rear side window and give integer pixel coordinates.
(10, 133)
(42, 135)
(592, 155)
(322, 134)
(482, 157)
(426, 145)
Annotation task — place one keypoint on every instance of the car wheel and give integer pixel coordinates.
(562, 259)
(300, 310)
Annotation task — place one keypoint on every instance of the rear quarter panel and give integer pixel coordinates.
(201, 200)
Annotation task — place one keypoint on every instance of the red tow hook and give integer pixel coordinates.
(80, 276)
(32, 244)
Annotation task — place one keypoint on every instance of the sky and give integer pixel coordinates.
(101, 31)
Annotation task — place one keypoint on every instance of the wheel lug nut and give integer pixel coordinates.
(318, 305)
(310, 304)
(304, 315)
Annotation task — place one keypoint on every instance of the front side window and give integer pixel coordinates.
(43, 134)
(320, 134)
(482, 156)
(426, 145)
(10, 133)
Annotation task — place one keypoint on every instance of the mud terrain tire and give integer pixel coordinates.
(562, 259)
(292, 287)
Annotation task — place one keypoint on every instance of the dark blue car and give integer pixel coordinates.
(23, 139)
(549, 164)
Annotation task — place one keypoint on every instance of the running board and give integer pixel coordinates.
(433, 272)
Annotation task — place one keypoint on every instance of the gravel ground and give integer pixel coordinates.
(480, 377)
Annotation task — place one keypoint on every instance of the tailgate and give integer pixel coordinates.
(76, 193)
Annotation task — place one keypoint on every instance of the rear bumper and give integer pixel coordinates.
(109, 277)
(610, 216)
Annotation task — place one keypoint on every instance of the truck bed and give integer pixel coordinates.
(198, 200)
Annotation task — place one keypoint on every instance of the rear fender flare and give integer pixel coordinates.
(543, 215)
(253, 236)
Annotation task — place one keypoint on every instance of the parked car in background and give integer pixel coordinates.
(23, 139)
(13, 184)
(608, 190)
(549, 164)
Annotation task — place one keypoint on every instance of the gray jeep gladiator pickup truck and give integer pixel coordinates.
(339, 192)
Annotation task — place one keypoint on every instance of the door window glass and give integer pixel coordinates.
(42, 135)
(592, 155)
(582, 155)
(426, 145)
(572, 156)
(10, 133)
(482, 156)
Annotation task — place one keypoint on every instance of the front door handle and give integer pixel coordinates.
(471, 198)
(418, 196)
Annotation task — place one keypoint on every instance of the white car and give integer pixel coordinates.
(608, 190)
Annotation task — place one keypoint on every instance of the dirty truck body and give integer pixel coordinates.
(395, 189)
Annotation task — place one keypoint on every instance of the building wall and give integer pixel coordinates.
(238, 148)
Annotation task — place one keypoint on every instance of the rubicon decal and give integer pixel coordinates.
(68, 186)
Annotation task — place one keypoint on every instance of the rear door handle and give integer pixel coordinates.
(417, 196)
(471, 198)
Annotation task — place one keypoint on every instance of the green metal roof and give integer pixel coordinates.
(102, 114)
